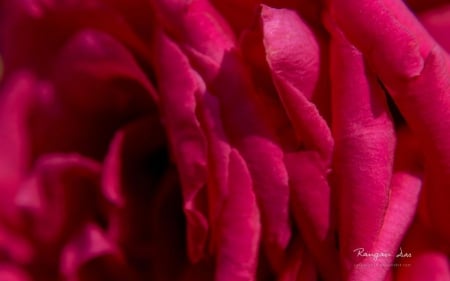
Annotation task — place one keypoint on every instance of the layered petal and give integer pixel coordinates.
(178, 90)
(50, 197)
(211, 53)
(364, 150)
(297, 55)
(89, 255)
(240, 226)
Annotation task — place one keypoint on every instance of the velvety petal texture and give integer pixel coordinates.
(212, 140)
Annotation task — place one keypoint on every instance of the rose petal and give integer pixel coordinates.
(197, 25)
(406, 184)
(26, 27)
(299, 265)
(431, 266)
(258, 145)
(90, 256)
(310, 203)
(437, 23)
(423, 5)
(126, 172)
(178, 90)
(364, 150)
(218, 160)
(93, 93)
(51, 196)
(383, 39)
(296, 55)
(12, 273)
(15, 101)
(424, 103)
(240, 226)
(426, 261)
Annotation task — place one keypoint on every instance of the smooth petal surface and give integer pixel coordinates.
(437, 23)
(362, 126)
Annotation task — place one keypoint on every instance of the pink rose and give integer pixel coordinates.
(224, 140)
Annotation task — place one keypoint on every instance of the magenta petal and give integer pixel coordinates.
(407, 19)
(292, 50)
(364, 149)
(211, 50)
(372, 28)
(424, 103)
(51, 197)
(437, 23)
(430, 266)
(89, 244)
(124, 172)
(306, 120)
(406, 184)
(240, 226)
(95, 88)
(179, 88)
(249, 133)
(98, 55)
(15, 102)
(310, 203)
(15, 246)
(32, 31)
(218, 160)
(296, 54)
(197, 25)
(13, 273)
(299, 265)
(89, 256)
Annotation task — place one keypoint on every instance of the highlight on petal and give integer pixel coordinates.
(292, 49)
(383, 39)
(197, 26)
(294, 59)
(297, 54)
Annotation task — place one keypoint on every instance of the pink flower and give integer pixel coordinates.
(224, 140)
